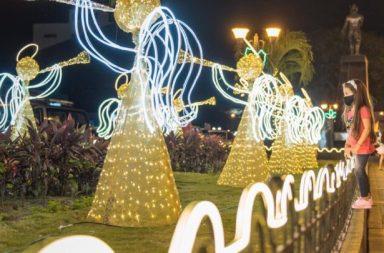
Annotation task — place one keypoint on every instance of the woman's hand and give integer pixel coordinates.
(356, 148)
(347, 152)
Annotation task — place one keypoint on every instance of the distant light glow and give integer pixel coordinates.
(55, 104)
(324, 106)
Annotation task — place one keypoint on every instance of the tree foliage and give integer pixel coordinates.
(292, 55)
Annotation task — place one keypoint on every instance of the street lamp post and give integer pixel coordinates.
(272, 33)
(256, 43)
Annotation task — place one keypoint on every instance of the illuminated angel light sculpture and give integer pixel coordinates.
(137, 187)
(294, 150)
(272, 112)
(15, 107)
(159, 70)
(247, 161)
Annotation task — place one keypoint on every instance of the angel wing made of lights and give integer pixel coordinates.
(159, 42)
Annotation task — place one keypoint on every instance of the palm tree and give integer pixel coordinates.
(292, 55)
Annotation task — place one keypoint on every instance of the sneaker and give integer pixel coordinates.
(369, 200)
(361, 203)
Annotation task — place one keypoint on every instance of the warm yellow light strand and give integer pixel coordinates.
(136, 187)
(247, 161)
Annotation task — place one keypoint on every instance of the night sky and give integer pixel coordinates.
(212, 21)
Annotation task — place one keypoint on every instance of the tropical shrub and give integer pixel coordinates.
(56, 159)
(192, 151)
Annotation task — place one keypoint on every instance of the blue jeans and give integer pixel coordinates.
(361, 176)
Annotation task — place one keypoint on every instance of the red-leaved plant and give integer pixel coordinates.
(56, 159)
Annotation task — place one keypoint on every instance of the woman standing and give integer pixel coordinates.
(358, 118)
(380, 149)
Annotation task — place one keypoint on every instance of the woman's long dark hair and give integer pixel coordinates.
(362, 98)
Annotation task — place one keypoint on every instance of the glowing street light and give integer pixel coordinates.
(273, 32)
(324, 106)
(335, 106)
(332, 110)
(233, 115)
(257, 43)
(240, 33)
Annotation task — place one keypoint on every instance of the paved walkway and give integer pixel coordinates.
(375, 215)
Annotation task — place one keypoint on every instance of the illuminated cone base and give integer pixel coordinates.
(289, 158)
(247, 161)
(310, 157)
(136, 187)
(20, 128)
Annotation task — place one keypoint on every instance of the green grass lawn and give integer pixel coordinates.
(29, 226)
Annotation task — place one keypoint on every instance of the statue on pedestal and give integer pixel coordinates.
(353, 23)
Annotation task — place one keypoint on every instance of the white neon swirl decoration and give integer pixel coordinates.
(16, 94)
(159, 43)
(77, 244)
(266, 103)
(10, 103)
(304, 123)
(25, 47)
(87, 28)
(277, 209)
(108, 112)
